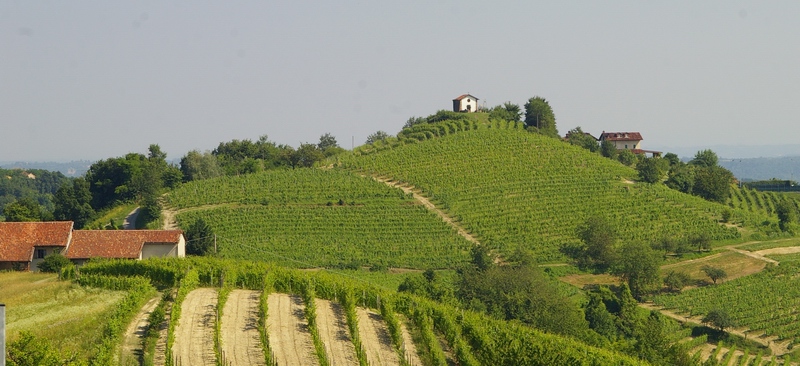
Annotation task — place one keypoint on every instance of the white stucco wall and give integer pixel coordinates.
(632, 144)
(47, 251)
(159, 250)
(469, 103)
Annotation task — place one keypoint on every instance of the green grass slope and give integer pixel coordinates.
(317, 217)
(512, 188)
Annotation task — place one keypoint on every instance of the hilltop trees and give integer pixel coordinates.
(73, 203)
(507, 111)
(577, 137)
(377, 136)
(702, 176)
(198, 166)
(540, 117)
(652, 170)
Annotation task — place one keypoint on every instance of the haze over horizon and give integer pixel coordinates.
(83, 80)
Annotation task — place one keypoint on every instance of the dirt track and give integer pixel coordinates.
(410, 349)
(194, 333)
(376, 339)
(132, 345)
(289, 338)
(241, 342)
(334, 333)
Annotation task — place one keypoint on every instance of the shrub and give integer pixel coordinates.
(53, 263)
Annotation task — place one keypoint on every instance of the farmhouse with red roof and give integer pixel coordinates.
(465, 103)
(23, 245)
(627, 141)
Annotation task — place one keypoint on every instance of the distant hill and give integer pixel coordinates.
(787, 168)
(76, 168)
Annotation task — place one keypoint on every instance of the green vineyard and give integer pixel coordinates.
(764, 302)
(511, 188)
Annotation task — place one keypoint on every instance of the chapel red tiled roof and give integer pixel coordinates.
(462, 96)
(17, 239)
(621, 136)
(117, 243)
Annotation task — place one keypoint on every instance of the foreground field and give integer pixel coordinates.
(68, 314)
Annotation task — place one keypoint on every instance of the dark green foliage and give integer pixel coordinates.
(712, 183)
(377, 136)
(24, 209)
(719, 319)
(73, 203)
(638, 264)
(714, 273)
(607, 149)
(507, 112)
(681, 178)
(705, 159)
(481, 258)
(676, 280)
(540, 117)
(627, 157)
(199, 238)
(29, 350)
(198, 166)
(445, 115)
(308, 155)
(36, 184)
(787, 214)
(652, 170)
(53, 263)
(577, 137)
(523, 293)
(600, 320)
(598, 237)
(672, 158)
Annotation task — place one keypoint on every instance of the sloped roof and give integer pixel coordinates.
(117, 243)
(621, 136)
(17, 239)
(462, 96)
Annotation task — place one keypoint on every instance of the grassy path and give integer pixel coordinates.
(132, 344)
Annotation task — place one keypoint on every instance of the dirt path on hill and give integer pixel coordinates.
(169, 219)
(130, 221)
(132, 344)
(289, 338)
(430, 206)
(159, 358)
(241, 341)
(409, 349)
(375, 338)
(784, 250)
(334, 333)
(778, 349)
(194, 333)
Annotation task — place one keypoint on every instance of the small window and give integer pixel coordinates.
(40, 253)
(626, 146)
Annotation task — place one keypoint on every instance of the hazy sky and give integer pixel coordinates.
(91, 80)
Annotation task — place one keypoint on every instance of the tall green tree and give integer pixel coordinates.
(637, 264)
(199, 238)
(577, 137)
(377, 136)
(598, 237)
(608, 149)
(540, 117)
(705, 158)
(652, 170)
(198, 166)
(73, 203)
(507, 112)
(712, 183)
(24, 209)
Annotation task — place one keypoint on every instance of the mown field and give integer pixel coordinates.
(512, 188)
(69, 315)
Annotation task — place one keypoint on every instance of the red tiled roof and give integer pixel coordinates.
(462, 96)
(17, 239)
(621, 136)
(117, 243)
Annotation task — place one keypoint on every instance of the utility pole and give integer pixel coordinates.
(2, 334)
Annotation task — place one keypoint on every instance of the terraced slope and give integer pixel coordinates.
(315, 217)
(512, 188)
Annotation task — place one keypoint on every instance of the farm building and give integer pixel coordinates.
(627, 141)
(23, 245)
(127, 244)
(465, 103)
